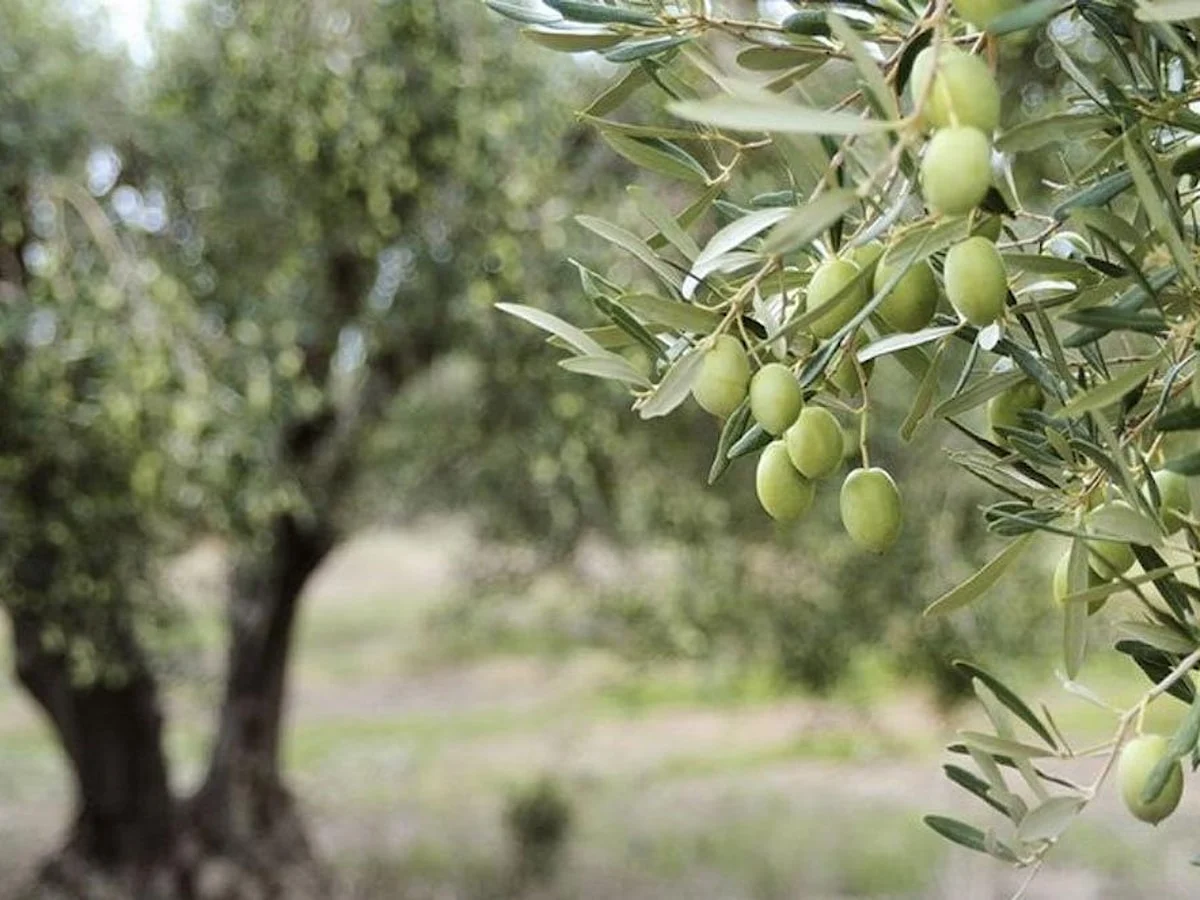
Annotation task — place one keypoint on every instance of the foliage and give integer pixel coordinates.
(95, 386)
(862, 124)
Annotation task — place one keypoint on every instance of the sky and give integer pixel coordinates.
(130, 21)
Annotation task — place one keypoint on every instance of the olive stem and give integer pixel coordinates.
(865, 409)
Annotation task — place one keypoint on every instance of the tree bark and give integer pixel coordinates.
(124, 836)
(243, 811)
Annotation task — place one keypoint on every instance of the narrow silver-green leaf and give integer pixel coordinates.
(968, 836)
(1008, 697)
(729, 238)
(572, 40)
(1156, 209)
(981, 581)
(1109, 392)
(630, 242)
(655, 310)
(1168, 10)
(591, 11)
(1125, 524)
(556, 326)
(1075, 615)
(808, 222)
(1030, 135)
(983, 390)
(1160, 636)
(523, 12)
(650, 207)
(653, 154)
(674, 387)
(1049, 819)
(896, 342)
(998, 746)
(773, 115)
(871, 75)
(609, 366)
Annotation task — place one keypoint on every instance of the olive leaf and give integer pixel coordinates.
(1049, 819)
(968, 836)
(759, 113)
(549, 322)
(674, 387)
(980, 582)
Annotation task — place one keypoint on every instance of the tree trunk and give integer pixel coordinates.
(243, 812)
(123, 839)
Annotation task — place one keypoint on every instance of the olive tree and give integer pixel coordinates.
(325, 228)
(331, 178)
(94, 378)
(993, 203)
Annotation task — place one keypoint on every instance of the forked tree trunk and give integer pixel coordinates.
(243, 812)
(123, 841)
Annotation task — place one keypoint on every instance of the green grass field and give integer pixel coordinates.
(683, 783)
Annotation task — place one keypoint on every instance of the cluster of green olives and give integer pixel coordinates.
(958, 97)
(809, 445)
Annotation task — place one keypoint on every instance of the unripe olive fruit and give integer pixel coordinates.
(1062, 581)
(866, 255)
(913, 301)
(775, 398)
(976, 282)
(1110, 558)
(814, 442)
(1004, 410)
(980, 13)
(988, 226)
(830, 277)
(870, 506)
(1174, 498)
(1137, 761)
(1196, 387)
(783, 492)
(961, 92)
(842, 374)
(724, 376)
(956, 170)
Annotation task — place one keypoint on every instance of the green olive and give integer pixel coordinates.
(980, 13)
(956, 171)
(1137, 761)
(913, 301)
(988, 226)
(1175, 499)
(870, 506)
(866, 255)
(962, 92)
(830, 277)
(724, 377)
(1004, 410)
(842, 374)
(1110, 558)
(814, 442)
(976, 282)
(1061, 583)
(782, 491)
(775, 398)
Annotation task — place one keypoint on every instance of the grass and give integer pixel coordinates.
(692, 782)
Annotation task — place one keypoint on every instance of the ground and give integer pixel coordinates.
(684, 784)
